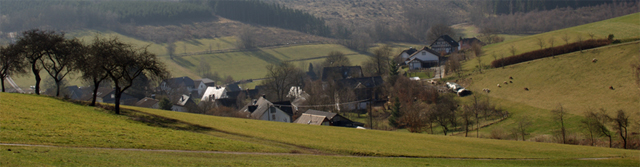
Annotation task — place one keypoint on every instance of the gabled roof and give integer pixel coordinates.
(233, 87)
(409, 51)
(258, 107)
(104, 91)
(180, 80)
(364, 82)
(206, 81)
(217, 92)
(329, 115)
(184, 99)
(468, 41)
(310, 119)
(285, 106)
(146, 102)
(342, 72)
(426, 49)
(447, 39)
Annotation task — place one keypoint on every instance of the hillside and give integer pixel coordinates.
(621, 27)
(29, 119)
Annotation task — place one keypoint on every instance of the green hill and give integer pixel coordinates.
(621, 27)
(30, 119)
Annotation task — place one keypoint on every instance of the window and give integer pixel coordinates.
(273, 117)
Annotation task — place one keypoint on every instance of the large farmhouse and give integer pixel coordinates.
(445, 44)
(424, 58)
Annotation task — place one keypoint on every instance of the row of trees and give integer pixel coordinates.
(103, 60)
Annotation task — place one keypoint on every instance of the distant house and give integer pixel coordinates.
(466, 43)
(202, 84)
(185, 104)
(262, 109)
(424, 58)
(214, 92)
(404, 55)
(315, 117)
(342, 72)
(365, 89)
(108, 95)
(148, 103)
(184, 84)
(445, 44)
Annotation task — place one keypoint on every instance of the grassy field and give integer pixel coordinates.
(467, 30)
(387, 143)
(571, 80)
(30, 119)
(621, 27)
(44, 156)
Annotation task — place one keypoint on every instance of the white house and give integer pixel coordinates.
(214, 92)
(262, 109)
(405, 54)
(424, 58)
(445, 44)
(203, 84)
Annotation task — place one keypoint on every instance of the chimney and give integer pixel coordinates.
(264, 96)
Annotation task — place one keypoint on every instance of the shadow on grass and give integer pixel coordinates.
(193, 42)
(264, 56)
(182, 62)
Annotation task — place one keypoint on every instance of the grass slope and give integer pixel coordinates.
(621, 27)
(386, 143)
(571, 80)
(44, 156)
(30, 119)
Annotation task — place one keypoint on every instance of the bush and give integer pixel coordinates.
(548, 52)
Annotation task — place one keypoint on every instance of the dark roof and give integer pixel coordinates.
(364, 82)
(147, 102)
(180, 80)
(425, 49)
(449, 40)
(329, 115)
(469, 41)
(342, 72)
(258, 107)
(206, 81)
(104, 91)
(409, 51)
(285, 106)
(233, 88)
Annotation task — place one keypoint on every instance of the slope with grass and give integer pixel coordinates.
(30, 119)
(621, 27)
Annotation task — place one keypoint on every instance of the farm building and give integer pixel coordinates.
(445, 44)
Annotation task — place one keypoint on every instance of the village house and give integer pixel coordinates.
(262, 109)
(183, 85)
(366, 90)
(185, 104)
(315, 117)
(203, 84)
(445, 44)
(108, 95)
(342, 72)
(424, 58)
(148, 102)
(466, 43)
(404, 55)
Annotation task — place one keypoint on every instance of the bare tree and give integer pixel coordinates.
(591, 35)
(413, 117)
(603, 119)
(35, 44)
(125, 63)
(171, 48)
(280, 79)
(246, 38)
(11, 62)
(541, 42)
(444, 112)
(512, 50)
(590, 124)
(488, 35)
(523, 125)
(453, 64)
(552, 40)
(467, 114)
(580, 39)
(621, 124)
(378, 64)
(63, 59)
(559, 116)
(204, 69)
(336, 59)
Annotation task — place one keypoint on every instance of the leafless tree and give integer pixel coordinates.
(336, 59)
(280, 79)
(522, 125)
(91, 69)
(604, 119)
(64, 59)
(621, 124)
(11, 62)
(590, 124)
(453, 64)
(552, 40)
(378, 64)
(438, 30)
(466, 114)
(246, 38)
(488, 35)
(559, 116)
(566, 38)
(414, 117)
(591, 35)
(171, 48)
(124, 64)
(204, 69)
(36, 44)
(541, 42)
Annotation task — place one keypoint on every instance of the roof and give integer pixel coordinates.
(469, 41)
(147, 102)
(104, 91)
(285, 106)
(184, 99)
(233, 87)
(329, 115)
(364, 82)
(311, 119)
(217, 92)
(342, 72)
(206, 81)
(409, 51)
(426, 49)
(258, 107)
(180, 80)
(448, 39)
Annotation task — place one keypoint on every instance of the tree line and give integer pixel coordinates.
(514, 6)
(104, 60)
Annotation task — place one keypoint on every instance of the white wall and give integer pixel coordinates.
(280, 116)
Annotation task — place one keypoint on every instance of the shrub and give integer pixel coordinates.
(548, 52)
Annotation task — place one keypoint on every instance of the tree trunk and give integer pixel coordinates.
(2, 80)
(57, 88)
(118, 94)
(36, 73)
(95, 94)
(610, 144)
(624, 138)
